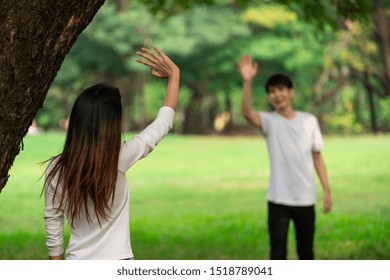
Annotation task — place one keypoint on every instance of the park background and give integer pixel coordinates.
(201, 193)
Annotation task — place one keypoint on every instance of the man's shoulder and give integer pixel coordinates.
(306, 115)
(267, 113)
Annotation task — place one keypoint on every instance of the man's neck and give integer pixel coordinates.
(287, 112)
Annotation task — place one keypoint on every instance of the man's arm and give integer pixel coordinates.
(321, 171)
(248, 70)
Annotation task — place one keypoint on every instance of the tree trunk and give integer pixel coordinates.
(193, 114)
(370, 92)
(35, 36)
(383, 37)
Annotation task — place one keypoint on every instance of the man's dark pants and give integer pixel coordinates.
(279, 217)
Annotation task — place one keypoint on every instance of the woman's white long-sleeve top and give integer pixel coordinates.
(111, 239)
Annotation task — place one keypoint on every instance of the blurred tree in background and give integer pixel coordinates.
(336, 50)
(336, 56)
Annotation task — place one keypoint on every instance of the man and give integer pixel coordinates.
(294, 144)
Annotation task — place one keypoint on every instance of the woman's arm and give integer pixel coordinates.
(61, 257)
(163, 67)
(54, 222)
(142, 144)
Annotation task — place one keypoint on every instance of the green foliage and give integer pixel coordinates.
(206, 39)
(344, 123)
(269, 16)
(320, 12)
(197, 32)
(296, 49)
(383, 114)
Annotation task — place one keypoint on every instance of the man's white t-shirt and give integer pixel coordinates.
(111, 238)
(290, 146)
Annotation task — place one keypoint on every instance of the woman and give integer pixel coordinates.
(87, 181)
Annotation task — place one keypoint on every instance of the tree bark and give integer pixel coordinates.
(383, 37)
(35, 36)
(370, 93)
(193, 114)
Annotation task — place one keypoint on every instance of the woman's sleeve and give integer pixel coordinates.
(54, 221)
(142, 144)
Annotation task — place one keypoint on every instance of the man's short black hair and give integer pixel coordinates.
(279, 79)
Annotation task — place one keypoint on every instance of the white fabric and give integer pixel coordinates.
(112, 239)
(290, 146)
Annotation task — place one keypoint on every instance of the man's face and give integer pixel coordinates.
(280, 96)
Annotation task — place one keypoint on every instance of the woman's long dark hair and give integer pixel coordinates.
(87, 168)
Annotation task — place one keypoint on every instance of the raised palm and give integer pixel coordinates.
(248, 68)
(162, 66)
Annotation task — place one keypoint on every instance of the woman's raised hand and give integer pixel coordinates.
(162, 66)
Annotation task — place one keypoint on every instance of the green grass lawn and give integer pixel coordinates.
(204, 198)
